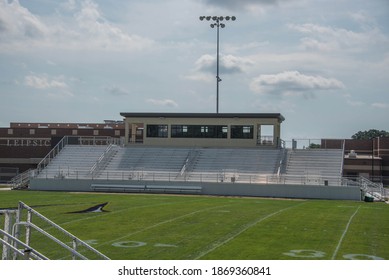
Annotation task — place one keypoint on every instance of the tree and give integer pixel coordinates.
(370, 134)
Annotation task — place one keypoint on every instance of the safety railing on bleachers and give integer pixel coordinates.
(222, 176)
(21, 180)
(102, 161)
(73, 140)
(40, 235)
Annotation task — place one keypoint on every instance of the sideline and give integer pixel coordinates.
(344, 233)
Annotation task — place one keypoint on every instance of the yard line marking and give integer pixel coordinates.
(217, 245)
(344, 233)
(124, 210)
(161, 223)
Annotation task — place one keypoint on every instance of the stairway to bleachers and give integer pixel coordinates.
(314, 166)
(74, 161)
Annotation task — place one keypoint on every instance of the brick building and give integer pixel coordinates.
(23, 145)
(369, 158)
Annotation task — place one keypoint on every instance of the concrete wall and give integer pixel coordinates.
(227, 189)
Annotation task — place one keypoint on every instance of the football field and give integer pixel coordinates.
(201, 227)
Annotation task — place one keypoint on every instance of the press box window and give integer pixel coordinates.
(242, 132)
(157, 130)
(199, 131)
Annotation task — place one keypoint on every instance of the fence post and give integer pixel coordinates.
(74, 248)
(7, 228)
(28, 229)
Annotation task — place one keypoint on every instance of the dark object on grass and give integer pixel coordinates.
(94, 209)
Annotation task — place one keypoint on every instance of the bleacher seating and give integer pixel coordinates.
(314, 166)
(74, 161)
(234, 164)
(310, 166)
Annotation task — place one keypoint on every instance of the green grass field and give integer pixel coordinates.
(201, 227)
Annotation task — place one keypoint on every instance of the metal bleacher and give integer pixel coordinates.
(244, 165)
(74, 161)
(314, 166)
(162, 163)
(235, 165)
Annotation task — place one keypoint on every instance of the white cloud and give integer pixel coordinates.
(53, 87)
(18, 21)
(249, 4)
(162, 102)
(228, 64)
(86, 29)
(45, 82)
(379, 105)
(292, 83)
(328, 38)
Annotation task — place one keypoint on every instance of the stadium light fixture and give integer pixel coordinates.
(217, 23)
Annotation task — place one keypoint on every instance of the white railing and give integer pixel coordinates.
(75, 140)
(223, 176)
(21, 180)
(101, 161)
(31, 220)
(52, 154)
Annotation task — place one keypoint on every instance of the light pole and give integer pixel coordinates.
(217, 22)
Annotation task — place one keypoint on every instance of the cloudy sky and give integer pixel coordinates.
(324, 65)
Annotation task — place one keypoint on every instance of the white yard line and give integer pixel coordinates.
(218, 244)
(344, 233)
(161, 223)
(123, 210)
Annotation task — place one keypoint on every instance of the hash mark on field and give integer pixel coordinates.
(344, 233)
(219, 244)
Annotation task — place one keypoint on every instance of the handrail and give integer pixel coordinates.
(32, 251)
(60, 145)
(73, 237)
(103, 156)
(56, 240)
(342, 162)
(65, 141)
(281, 162)
(22, 179)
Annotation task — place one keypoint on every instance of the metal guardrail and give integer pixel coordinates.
(21, 180)
(75, 140)
(14, 247)
(101, 161)
(223, 176)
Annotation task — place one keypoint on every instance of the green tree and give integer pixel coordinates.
(369, 134)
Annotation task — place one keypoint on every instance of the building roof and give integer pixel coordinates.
(205, 115)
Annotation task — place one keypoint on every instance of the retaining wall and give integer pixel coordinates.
(205, 188)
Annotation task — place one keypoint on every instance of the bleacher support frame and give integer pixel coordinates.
(14, 247)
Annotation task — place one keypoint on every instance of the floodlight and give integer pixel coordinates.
(217, 23)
